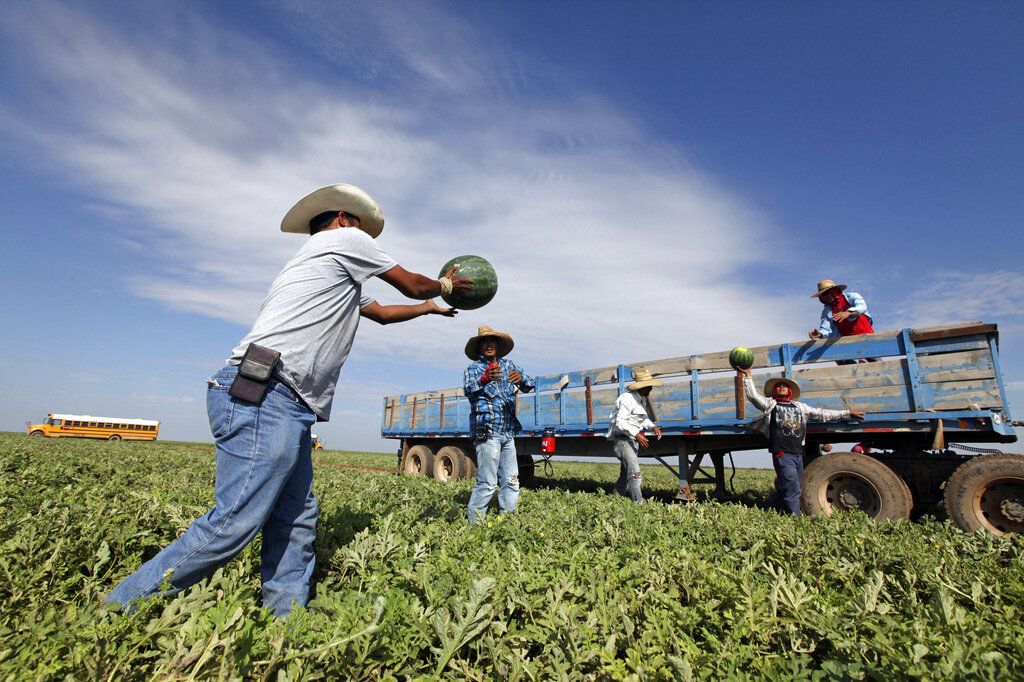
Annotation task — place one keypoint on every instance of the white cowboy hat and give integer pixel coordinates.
(339, 197)
(794, 388)
(826, 284)
(505, 343)
(642, 377)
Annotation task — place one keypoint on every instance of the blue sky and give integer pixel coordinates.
(650, 179)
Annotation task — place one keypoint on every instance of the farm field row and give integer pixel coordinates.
(579, 584)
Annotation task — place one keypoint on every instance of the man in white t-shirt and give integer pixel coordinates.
(264, 477)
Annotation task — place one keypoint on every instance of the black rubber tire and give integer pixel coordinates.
(114, 438)
(449, 464)
(37, 434)
(847, 481)
(987, 492)
(527, 468)
(419, 461)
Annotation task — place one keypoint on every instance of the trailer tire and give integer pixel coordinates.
(987, 492)
(848, 481)
(449, 464)
(419, 461)
(467, 464)
(527, 468)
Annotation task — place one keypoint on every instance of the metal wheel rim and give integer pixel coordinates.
(844, 490)
(989, 505)
(445, 469)
(417, 463)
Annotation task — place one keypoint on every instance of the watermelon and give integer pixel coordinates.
(741, 357)
(485, 282)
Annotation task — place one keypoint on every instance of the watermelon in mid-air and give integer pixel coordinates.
(485, 282)
(741, 357)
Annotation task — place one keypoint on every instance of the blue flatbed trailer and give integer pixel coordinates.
(922, 389)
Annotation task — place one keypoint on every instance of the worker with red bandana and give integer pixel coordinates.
(842, 314)
(783, 421)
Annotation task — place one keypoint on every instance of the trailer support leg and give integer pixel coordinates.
(718, 458)
(685, 450)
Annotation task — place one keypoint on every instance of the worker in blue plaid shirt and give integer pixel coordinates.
(490, 384)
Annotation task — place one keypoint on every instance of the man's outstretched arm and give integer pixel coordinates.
(415, 285)
(386, 314)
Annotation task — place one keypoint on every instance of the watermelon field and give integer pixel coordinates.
(578, 585)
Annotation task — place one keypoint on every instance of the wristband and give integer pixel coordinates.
(446, 286)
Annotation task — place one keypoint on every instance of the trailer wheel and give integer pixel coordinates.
(468, 466)
(449, 464)
(988, 492)
(846, 481)
(527, 468)
(419, 461)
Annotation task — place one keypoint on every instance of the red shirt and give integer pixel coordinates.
(851, 326)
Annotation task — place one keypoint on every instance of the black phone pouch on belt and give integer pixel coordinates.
(254, 374)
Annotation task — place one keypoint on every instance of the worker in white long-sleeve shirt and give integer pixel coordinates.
(626, 430)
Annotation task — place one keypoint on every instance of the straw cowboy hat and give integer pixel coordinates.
(339, 197)
(505, 343)
(794, 388)
(641, 378)
(826, 284)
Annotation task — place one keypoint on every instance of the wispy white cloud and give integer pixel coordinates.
(601, 237)
(957, 296)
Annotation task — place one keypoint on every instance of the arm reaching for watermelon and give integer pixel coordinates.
(387, 314)
(414, 285)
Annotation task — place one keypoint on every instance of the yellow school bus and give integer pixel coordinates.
(87, 426)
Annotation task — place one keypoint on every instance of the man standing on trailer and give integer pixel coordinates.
(279, 381)
(627, 423)
(842, 314)
(784, 422)
(490, 383)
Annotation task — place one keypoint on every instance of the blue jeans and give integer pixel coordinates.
(497, 471)
(789, 470)
(627, 451)
(264, 483)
